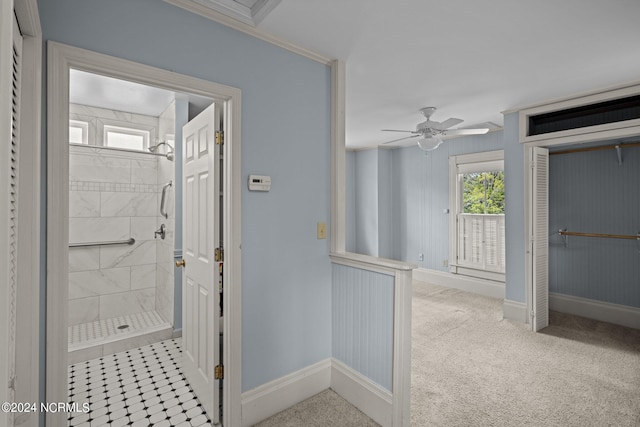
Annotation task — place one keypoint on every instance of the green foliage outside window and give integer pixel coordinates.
(483, 193)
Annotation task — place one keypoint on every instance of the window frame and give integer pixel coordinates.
(125, 130)
(84, 125)
(461, 164)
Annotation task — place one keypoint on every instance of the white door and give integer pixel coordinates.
(200, 225)
(540, 238)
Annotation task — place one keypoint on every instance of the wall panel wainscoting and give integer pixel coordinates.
(371, 322)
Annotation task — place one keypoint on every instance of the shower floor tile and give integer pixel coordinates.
(86, 333)
(143, 386)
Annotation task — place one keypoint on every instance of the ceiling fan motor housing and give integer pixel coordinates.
(427, 111)
(425, 129)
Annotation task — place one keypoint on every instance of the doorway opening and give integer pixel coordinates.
(134, 224)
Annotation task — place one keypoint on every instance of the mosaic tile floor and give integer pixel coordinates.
(139, 387)
(86, 333)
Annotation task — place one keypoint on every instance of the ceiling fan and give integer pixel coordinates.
(430, 132)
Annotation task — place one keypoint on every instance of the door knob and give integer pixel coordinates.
(181, 263)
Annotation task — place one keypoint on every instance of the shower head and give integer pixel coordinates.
(169, 154)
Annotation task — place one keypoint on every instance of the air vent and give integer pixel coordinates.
(601, 113)
(597, 116)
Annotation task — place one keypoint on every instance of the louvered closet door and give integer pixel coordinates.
(13, 194)
(540, 234)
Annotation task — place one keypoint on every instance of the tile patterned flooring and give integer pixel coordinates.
(139, 387)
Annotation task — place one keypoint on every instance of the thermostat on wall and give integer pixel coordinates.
(259, 183)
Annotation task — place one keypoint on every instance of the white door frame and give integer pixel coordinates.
(60, 59)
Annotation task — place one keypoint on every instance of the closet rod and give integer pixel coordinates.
(603, 147)
(609, 236)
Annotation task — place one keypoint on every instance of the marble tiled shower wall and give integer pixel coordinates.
(164, 248)
(114, 195)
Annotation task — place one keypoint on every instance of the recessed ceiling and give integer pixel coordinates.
(251, 12)
(470, 59)
(99, 91)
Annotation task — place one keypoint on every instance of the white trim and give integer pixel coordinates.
(583, 134)
(284, 392)
(481, 157)
(361, 392)
(598, 310)
(465, 163)
(488, 288)
(514, 310)
(478, 274)
(61, 58)
(337, 229)
(223, 19)
(403, 286)
(236, 10)
(366, 262)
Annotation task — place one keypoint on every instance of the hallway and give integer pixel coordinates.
(139, 387)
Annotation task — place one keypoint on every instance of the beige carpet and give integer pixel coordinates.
(471, 368)
(325, 409)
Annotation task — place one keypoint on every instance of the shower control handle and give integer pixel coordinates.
(181, 263)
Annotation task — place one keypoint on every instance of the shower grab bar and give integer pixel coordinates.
(130, 241)
(163, 210)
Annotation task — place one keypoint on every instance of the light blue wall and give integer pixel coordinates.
(413, 194)
(419, 186)
(589, 192)
(515, 286)
(350, 201)
(286, 289)
(366, 196)
(385, 204)
(363, 322)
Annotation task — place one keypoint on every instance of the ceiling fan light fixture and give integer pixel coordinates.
(429, 143)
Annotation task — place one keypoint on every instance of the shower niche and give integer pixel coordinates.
(121, 171)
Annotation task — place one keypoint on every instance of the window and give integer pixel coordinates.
(478, 220)
(78, 132)
(119, 130)
(483, 192)
(127, 138)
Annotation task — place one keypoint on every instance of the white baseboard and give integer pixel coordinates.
(597, 310)
(514, 310)
(277, 395)
(362, 393)
(488, 288)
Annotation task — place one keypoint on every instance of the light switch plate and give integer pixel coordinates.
(322, 230)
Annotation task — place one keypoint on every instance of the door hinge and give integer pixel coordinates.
(219, 137)
(219, 372)
(219, 254)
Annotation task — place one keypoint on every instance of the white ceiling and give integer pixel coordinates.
(106, 92)
(471, 59)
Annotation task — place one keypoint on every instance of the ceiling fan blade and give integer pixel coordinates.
(396, 140)
(460, 132)
(444, 125)
(396, 130)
